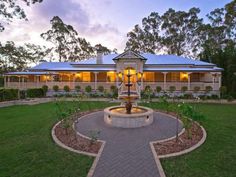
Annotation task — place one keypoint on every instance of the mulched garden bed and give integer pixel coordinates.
(184, 141)
(72, 139)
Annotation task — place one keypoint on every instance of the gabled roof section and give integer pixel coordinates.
(130, 54)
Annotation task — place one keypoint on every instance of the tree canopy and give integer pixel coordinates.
(184, 33)
(10, 9)
(68, 45)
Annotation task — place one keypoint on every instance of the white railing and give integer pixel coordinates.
(107, 85)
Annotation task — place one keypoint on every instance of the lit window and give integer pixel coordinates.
(86, 76)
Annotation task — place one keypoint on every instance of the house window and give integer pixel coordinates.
(184, 77)
(86, 76)
(195, 77)
(159, 77)
(149, 77)
(173, 77)
(101, 77)
(111, 76)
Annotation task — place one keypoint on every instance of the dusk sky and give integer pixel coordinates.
(99, 21)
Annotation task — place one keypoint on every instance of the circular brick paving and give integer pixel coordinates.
(127, 152)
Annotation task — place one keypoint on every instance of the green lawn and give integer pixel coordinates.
(26, 146)
(27, 150)
(217, 157)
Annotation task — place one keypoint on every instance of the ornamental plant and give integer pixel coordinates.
(100, 88)
(66, 88)
(88, 89)
(184, 89)
(208, 89)
(223, 91)
(93, 134)
(172, 89)
(158, 89)
(45, 89)
(77, 88)
(196, 89)
(55, 88)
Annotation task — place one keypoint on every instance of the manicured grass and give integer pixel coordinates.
(215, 158)
(26, 146)
(27, 150)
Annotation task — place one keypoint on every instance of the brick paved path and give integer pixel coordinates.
(127, 152)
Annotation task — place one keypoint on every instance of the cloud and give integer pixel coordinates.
(72, 12)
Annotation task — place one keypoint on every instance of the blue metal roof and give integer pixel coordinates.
(29, 73)
(109, 64)
(184, 69)
(107, 59)
(172, 60)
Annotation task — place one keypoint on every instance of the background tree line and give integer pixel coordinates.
(185, 34)
(67, 46)
(175, 32)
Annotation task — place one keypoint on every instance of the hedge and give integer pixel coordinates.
(8, 94)
(35, 93)
(1, 81)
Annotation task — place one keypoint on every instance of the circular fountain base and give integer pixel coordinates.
(116, 116)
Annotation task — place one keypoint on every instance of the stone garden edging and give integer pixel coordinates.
(157, 158)
(97, 156)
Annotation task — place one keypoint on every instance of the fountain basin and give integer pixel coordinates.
(116, 116)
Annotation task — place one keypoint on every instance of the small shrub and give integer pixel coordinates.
(66, 88)
(22, 94)
(184, 89)
(158, 89)
(188, 96)
(1, 81)
(8, 94)
(196, 89)
(172, 88)
(114, 91)
(113, 88)
(202, 97)
(55, 88)
(223, 91)
(215, 97)
(147, 88)
(88, 89)
(35, 93)
(230, 98)
(93, 136)
(77, 88)
(45, 89)
(100, 88)
(208, 89)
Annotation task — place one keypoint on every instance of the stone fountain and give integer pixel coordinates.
(128, 116)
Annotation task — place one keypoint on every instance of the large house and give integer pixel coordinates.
(168, 72)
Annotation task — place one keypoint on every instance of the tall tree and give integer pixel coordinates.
(68, 45)
(219, 44)
(10, 9)
(18, 58)
(147, 38)
(180, 30)
(63, 36)
(175, 32)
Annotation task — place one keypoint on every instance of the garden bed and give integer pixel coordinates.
(71, 139)
(184, 141)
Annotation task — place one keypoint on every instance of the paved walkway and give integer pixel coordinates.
(127, 152)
